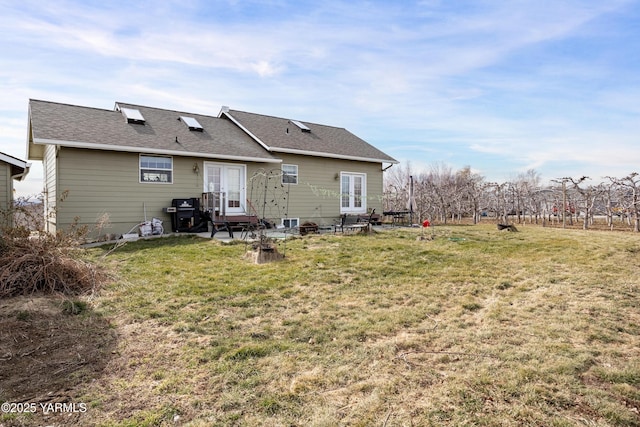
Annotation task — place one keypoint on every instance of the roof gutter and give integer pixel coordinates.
(225, 112)
(127, 149)
(21, 165)
(22, 175)
(333, 156)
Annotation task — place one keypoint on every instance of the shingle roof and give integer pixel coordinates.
(282, 135)
(76, 126)
(95, 128)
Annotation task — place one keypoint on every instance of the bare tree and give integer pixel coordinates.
(395, 188)
(440, 184)
(566, 206)
(444, 195)
(528, 200)
(630, 185)
(586, 198)
(471, 186)
(498, 200)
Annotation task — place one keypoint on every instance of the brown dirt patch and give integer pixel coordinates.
(45, 354)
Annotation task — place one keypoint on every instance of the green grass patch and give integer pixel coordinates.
(474, 327)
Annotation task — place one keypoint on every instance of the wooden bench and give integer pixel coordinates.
(355, 222)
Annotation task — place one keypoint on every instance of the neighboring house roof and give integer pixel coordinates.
(19, 168)
(280, 135)
(163, 132)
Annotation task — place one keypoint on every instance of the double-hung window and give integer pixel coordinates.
(353, 190)
(289, 174)
(157, 169)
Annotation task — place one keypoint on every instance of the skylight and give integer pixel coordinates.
(192, 123)
(301, 125)
(132, 115)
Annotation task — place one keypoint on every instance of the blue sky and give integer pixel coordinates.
(501, 86)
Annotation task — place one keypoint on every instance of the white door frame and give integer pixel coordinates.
(231, 186)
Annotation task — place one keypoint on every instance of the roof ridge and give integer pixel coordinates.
(68, 104)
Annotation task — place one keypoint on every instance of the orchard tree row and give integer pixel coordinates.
(445, 195)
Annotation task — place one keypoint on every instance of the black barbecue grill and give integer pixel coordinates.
(186, 215)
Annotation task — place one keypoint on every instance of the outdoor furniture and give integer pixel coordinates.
(217, 223)
(220, 226)
(308, 227)
(244, 223)
(354, 222)
(372, 218)
(397, 217)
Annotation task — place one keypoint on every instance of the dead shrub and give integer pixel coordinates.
(34, 261)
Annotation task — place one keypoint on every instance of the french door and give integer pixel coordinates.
(353, 188)
(227, 182)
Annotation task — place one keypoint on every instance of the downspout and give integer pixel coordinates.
(22, 175)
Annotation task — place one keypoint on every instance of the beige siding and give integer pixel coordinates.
(6, 186)
(94, 183)
(316, 197)
(50, 187)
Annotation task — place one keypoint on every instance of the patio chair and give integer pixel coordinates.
(354, 222)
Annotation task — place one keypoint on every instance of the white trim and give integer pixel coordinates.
(352, 209)
(331, 155)
(224, 167)
(258, 140)
(25, 166)
(140, 169)
(226, 113)
(13, 161)
(23, 174)
(144, 150)
(297, 175)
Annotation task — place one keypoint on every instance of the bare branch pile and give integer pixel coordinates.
(32, 261)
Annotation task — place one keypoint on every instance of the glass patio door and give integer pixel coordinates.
(226, 181)
(352, 192)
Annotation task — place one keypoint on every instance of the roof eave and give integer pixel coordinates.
(33, 152)
(19, 168)
(13, 161)
(333, 156)
(129, 149)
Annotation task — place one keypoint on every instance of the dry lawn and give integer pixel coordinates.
(475, 327)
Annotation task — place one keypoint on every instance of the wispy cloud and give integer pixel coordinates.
(510, 84)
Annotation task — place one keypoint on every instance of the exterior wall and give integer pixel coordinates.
(49, 165)
(6, 186)
(316, 197)
(94, 182)
(91, 183)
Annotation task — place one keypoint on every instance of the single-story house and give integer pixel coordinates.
(133, 162)
(11, 169)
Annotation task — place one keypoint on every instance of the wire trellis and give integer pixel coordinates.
(268, 199)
